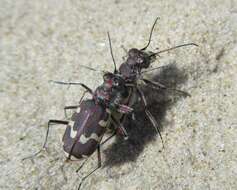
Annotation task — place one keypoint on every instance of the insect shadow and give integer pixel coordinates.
(140, 130)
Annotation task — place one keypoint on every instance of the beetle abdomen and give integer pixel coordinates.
(86, 129)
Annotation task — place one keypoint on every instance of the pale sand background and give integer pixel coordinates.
(43, 40)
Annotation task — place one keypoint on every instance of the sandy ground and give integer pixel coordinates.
(43, 40)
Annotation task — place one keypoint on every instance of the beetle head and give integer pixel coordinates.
(138, 58)
(112, 80)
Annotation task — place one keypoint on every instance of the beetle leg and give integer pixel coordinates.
(120, 127)
(100, 145)
(46, 137)
(53, 122)
(74, 107)
(149, 115)
(161, 86)
(108, 138)
(69, 108)
(99, 165)
(83, 163)
(73, 83)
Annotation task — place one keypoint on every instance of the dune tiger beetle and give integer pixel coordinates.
(88, 124)
(132, 70)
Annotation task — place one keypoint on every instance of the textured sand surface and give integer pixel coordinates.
(43, 40)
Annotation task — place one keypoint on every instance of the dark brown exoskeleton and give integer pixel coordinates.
(88, 124)
(140, 59)
(131, 70)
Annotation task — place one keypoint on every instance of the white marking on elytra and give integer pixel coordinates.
(66, 154)
(71, 123)
(73, 133)
(103, 123)
(78, 109)
(83, 139)
(84, 156)
(72, 157)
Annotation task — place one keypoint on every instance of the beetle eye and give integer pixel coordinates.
(105, 77)
(116, 82)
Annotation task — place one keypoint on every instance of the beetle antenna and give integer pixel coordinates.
(111, 52)
(149, 41)
(175, 47)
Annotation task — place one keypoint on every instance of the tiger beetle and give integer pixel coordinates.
(88, 124)
(139, 59)
(132, 71)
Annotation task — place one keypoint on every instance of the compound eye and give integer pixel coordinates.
(107, 76)
(116, 83)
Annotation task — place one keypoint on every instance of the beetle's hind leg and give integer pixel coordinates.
(149, 115)
(106, 140)
(50, 122)
(111, 136)
(161, 86)
(99, 165)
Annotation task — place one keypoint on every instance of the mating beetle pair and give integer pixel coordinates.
(109, 105)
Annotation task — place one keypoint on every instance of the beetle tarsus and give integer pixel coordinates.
(99, 165)
(44, 148)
